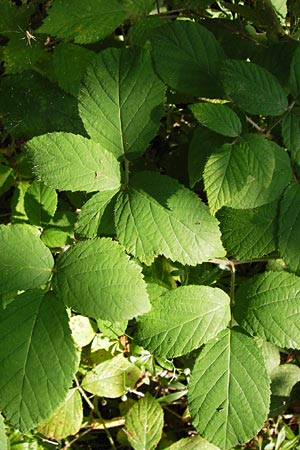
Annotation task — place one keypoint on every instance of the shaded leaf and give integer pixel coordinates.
(40, 203)
(291, 133)
(60, 229)
(217, 117)
(294, 80)
(193, 442)
(6, 178)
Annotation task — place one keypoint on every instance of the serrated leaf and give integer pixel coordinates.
(40, 203)
(96, 216)
(3, 437)
(38, 358)
(268, 306)
(67, 161)
(294, 80)
(193, 442)
(289, 231)
(111, 378)
(247, 174)
(25, 261)
(44, 108)
(249, 233)
(291, 133)
(183, 319)
(203, 143)
(156, 215)
(218, 118)
(69, 63)
(66, 419)
(253, 88)
(121, 100)
(187, 57)
(92, 23)
(144, 423)
(229, 390)
(97, 279)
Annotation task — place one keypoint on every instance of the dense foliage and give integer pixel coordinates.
(150, 224)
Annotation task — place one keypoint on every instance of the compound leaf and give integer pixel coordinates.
(253, 88)
(268, 306)
(97, 279)
(229, 389)
(144, 423)
(121, 100)
(183, 319)
(25, 261)
(187, 57)
(157, 215)
(218, 118)
(67, 161)
(92, 23)
(38, 358)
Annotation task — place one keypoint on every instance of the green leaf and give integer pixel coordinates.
(289, 231)
(144, 28)
(111, 378)
(3, 437)
(267, 306)
(144, 423)
(60, 229)
(13, 18)
(203, 143)
(229, 390)
(121, 100)
(37, 358)
(193, 442)
(96, 216)
(253, 88)
(83, 331)
(70, 62)
(25, 261)
(294, 80)
(249, 233)
(71, 162)
(291, 133)
(44, 108)
(97, 278)
(283, 378)
(18, 56)
(66, 419)
(40, 203)
(247, 174)
(183, 319)
(218, 118)
(157, 215)
(6, 178)
(92, 23)
(187, 57)
(112, 330)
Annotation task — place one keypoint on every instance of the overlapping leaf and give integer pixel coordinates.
(187, 57)
(291, 133)
(156, 215)
(37, 358)
(253, 88)
(268, 306)
(194, 442)
(3, 437)
(121, 100)
(67, 161)
(25, 261)
(218, 118)
(40, 203)
(229, 390)
(294, 80)
(183, 319)
(97, 279)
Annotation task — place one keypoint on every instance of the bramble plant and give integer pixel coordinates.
(150, 237)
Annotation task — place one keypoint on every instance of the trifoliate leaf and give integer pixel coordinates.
(187, 57)
(249, 233)
(289, 231)
(144, 423)
(111, 378)
(291, 133)
(229, 390)
(96, 216)
(268, 306)
(294, 80)
(157, 215)
(38, 358)
(67, 161)
(92, 23)
(218, 118)
(183, 319)
(121, 101)
(253, 89)
(97, 279)
(25, 261)
(66, 419)
(40, 203)
(247, 174)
